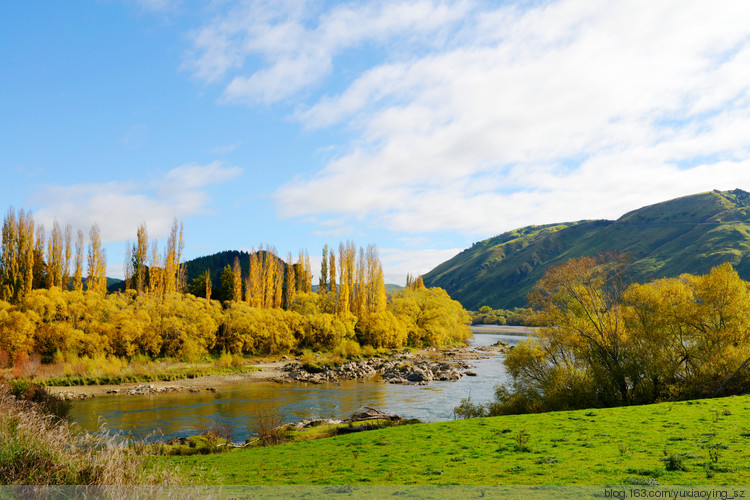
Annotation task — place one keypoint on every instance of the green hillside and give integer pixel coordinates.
(686, 235)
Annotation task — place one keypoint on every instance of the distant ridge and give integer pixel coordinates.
(691, 234)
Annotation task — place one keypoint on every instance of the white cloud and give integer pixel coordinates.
(397, 263)
(120, 206)
(297, 43)
(479, 117)
(568, 110)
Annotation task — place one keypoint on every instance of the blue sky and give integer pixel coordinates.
(420, 126)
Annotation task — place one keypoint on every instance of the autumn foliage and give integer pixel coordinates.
(269, 309)
(608, 344)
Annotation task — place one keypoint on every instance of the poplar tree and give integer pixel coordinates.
(26, 250)
(55, 256)
(360, 293)
(17, 258)
(40, 266)
(155, 271)
(344, 273)
(290, 282)
(236, 280)
(269, 277)
(140, 256)
(67, 250)
(96, 280)
(254, 289)
(332, 272)
(376, 297)
(9, 259)
(278, 287)
(323, 280)
(78, 263)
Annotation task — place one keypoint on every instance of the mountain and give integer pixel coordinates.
(691, 234)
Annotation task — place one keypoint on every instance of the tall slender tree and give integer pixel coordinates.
(55, 256)
(323, 280)
(236, 280)
(97, 260)
(140, 257)
(78, 263)
(290, 282)
(67, 250)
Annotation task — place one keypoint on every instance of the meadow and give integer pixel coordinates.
(700, 442)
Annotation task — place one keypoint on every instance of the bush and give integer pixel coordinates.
(469, 409)
(348, 349)
(269, 427)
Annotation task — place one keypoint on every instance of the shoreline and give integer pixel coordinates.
(267, 372)
(277, 371)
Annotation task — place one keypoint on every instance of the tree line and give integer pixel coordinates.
(270, 308)
(28, 260)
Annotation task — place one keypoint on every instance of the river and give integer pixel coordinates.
(168, 415)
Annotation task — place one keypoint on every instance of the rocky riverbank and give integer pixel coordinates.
(400, 368)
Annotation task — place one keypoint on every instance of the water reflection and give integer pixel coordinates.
(183, 414)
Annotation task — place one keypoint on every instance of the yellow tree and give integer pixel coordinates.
(78, 263)
(67, 250)
(344, 275)
(155, 272)
(97, 266)
(55, 256)
(40, 266)
(236, 280)
(375, 286)
(278, 286)
(9, 263)
(26, 250)
(290, 282)
(323, 280)
(254, 284)
(16, 260)
(332, 272)
(172, 265)
(139, 257)
(580, 304)
(360, 292)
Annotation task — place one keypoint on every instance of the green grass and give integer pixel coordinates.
(692, 442)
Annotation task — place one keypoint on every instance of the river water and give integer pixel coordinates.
(164, 416)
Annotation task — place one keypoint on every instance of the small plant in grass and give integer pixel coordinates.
(468, 409)
(269, 427)
(218, 435)
(675, 462)
(522, 441)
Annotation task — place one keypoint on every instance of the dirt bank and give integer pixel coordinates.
(267, 372)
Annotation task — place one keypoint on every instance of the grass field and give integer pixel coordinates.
(686, 443)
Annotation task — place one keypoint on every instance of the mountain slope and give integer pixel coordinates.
(690, 234)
